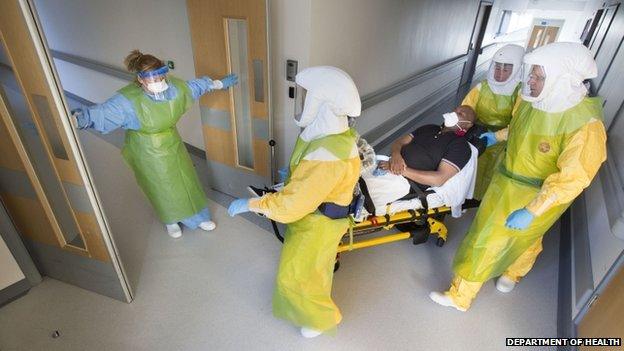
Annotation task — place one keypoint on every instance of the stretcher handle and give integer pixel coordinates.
(277, 232)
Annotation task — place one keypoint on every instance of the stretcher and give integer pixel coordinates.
(416, 224)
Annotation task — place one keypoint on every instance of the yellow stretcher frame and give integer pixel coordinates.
(431, 218)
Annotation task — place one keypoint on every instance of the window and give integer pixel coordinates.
(239, 61)
(513, 21)
(504, 22)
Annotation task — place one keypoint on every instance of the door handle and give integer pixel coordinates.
(258, 71)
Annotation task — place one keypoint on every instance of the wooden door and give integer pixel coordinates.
(230, 36)
(55, 207)
(542, 35)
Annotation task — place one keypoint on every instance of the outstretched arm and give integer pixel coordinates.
(203, 85)
(116, 112)
(306, 190)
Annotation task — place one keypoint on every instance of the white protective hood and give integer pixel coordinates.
(331, 97)
(511, 54)
(565, 65)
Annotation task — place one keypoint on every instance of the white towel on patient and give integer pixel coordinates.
(385, 190)
(461, 186)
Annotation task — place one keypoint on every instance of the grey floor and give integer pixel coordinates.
(212, 291)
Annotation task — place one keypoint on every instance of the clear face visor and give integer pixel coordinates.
(155, 81)
(533, 79)
(502, 72)
(300, 96)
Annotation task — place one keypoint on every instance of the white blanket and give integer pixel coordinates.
(386, 190)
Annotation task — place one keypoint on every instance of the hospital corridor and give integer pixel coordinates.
(311, 175)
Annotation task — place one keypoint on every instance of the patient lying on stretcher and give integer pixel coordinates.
(434, 162)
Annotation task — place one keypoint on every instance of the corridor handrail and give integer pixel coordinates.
(394, 89)
(93, 65)
(368, 100)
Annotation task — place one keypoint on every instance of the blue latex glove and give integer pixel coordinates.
(82, 121)
(238, 206)
(489, 137)
(378, 172)
(229, 80)
(282, 174)
(519, 219)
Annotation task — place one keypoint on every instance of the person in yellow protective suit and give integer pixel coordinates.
(556, 142)
(324, 169)
(493, 100)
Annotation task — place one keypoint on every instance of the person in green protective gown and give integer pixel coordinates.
(556, 142)
(148, 110)
(493, 100)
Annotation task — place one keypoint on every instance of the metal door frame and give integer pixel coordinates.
(474, 48)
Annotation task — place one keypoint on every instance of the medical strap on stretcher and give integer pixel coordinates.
(424, 216)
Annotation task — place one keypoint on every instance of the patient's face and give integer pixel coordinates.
(466, 117)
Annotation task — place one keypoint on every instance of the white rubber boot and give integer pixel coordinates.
(174, 230)
(504, 284)
(207, 226)
(444, 300)
(310, 333)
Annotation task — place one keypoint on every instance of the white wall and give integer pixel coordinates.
(10, 272)
(380, 42)
(289, 39)
(107, 31)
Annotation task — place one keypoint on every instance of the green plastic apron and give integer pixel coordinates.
(493, 112)
(304, 279)
(158, 156)
(536, 139)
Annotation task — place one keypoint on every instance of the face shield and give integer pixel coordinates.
(502, 72)
(328, 94)
(300, 97)
(533, 82)
(155, 81)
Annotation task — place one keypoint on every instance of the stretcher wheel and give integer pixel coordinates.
(336, 265)
(410, 227)
(420, 235)
(440, 242)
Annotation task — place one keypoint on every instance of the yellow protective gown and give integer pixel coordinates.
(493, 112)
(321, 170)
(550, 159)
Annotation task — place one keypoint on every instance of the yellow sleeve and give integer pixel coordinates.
(578, 164)
(473, 97)
(502, 134)
(307, 189)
